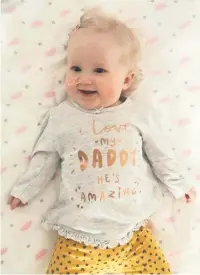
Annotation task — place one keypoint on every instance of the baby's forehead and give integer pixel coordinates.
(85, 41)
(90, 35)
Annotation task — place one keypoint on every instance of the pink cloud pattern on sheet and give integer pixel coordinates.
(37, 24)
(50, 94)
(40, 254)
(184, 121)
(3, 169)
(14, 42)
(161, 6)
(4, 250)
(64, 12)
(16, 95)
(26, 226)
(21, 130)
(50, 52)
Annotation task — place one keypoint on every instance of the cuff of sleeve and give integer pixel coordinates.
(23, 197)
(180, 191)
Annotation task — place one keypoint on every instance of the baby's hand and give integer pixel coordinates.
(190, 196)
(14, 202)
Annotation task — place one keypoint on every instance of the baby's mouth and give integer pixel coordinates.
(87, 92)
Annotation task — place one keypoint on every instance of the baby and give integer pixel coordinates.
(113, 159)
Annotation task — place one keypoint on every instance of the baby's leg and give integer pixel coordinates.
(71, 257)
(147, 257)
(141, 255)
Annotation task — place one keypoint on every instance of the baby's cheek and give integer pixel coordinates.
(70, 82)
(103, 83)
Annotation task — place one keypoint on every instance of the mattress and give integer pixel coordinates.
(34, 35)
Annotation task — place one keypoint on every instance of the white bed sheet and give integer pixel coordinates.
(33, 50)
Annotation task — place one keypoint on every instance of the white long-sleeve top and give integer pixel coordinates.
(112, 163)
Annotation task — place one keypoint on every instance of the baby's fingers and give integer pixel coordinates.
(15, 203)
(10, 199)
(191, 195)
(22, 204)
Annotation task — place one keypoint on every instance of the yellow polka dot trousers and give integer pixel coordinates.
(141, 255)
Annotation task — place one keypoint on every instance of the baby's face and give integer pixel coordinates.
(95, 75)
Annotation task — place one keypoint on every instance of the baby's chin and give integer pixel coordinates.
(90, 102)
(89, 105)
(95, 104)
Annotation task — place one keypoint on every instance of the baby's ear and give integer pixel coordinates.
(128, 80)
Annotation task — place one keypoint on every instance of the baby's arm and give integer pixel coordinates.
(43, 165)
(41, 169)
(163, 161)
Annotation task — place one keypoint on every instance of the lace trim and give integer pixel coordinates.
(89, 239)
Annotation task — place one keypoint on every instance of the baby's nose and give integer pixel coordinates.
(84, 81)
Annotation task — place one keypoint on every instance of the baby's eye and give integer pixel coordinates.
(76, 68)
(99, 70)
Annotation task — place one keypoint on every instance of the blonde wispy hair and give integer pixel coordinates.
(127, 37)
